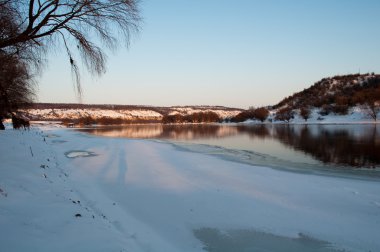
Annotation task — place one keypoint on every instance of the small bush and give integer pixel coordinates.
(340, 109)
(325, 110)
(261, 114)
(305, 113)
(285, 114)
(199, 117)
(243, 116)
(88, 120)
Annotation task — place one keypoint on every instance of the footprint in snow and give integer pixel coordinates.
(2, 192)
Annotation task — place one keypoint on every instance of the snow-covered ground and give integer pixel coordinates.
(58, 114)
(355, 115)
(125, 114)
(222, 113)
(61, 190)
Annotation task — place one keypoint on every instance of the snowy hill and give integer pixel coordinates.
(336, 94)
(340, 99)
(117, 113)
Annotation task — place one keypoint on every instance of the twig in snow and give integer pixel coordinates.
(31, 152)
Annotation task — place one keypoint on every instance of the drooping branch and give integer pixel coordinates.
(52, 15)
(31, 25)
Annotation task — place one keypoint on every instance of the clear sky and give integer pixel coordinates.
(237, 53)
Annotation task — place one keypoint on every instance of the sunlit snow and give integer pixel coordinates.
(140, 195)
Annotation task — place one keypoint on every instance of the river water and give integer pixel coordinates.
(348, 148)
(333, 151)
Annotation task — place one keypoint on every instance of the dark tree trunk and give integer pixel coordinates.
(2, 127)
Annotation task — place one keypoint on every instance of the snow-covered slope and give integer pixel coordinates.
(355, 115)
(59, 114)
(338, 92)
(337, 95)
(222, 113)
(142, 113)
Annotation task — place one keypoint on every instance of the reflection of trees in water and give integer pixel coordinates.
(329, 144)
(196, 131)
(135, 131)
(334, 145)
(173, 131)
(325, 143)
(253, 131)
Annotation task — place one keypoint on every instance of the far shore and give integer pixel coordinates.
(210, 123)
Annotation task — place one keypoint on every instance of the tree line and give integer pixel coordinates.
(260, 114)
(198, 117)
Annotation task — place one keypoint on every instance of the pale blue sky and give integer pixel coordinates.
(234, 53)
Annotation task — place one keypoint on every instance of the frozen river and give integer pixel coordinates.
(217, 183)
(340, 147)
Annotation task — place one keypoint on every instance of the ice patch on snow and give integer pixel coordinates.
(76, 154)
(59, 141)
(51, 136)
(250, 240)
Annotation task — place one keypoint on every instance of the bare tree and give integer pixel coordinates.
(371, 102)
(41, 23)
(284, 114)
(18, 63)
(372, 109)
(305, 113)
(16, 85)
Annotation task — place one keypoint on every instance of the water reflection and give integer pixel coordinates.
(350, 145)
(159, 131)
(215, 240)
(353, 147)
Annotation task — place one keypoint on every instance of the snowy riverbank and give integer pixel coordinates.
(355, 115)
(61, 190)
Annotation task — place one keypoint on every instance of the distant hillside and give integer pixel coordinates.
(340, 99)
(119, 114)
(336, 94)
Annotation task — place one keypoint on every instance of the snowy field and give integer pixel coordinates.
(61, 190)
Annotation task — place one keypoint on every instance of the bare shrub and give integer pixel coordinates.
(198, 117)
(284, 114)
(305, 113)
(261, 114)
